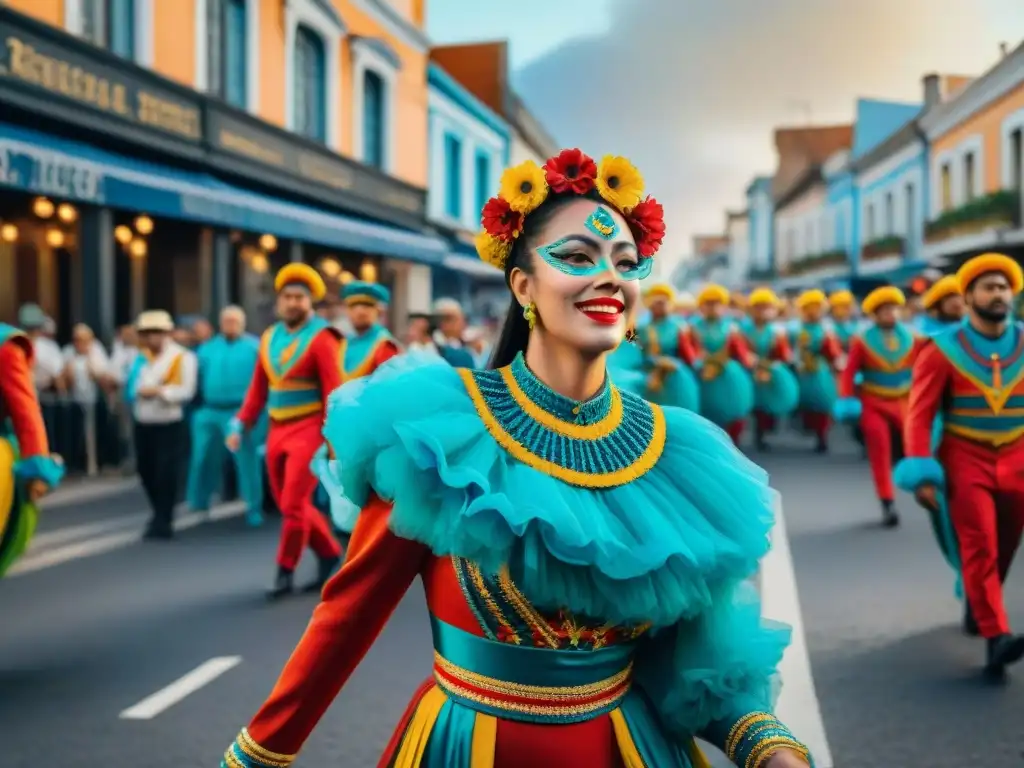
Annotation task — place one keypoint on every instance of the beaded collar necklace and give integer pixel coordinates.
(606, 441)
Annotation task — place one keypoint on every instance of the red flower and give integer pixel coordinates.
(647, 223)
(571, 171)
(500, 221)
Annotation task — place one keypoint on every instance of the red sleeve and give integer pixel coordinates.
(831, 349)
(739, 351)
(932, 374)
(255, 397)
(18, 392)
(356, 605)
(854, 362)
(688, 347)
(385, 352)
(781, 350)
(325, 351)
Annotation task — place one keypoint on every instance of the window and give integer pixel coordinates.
(373, 119)
(809, 239)
(110, 24)
(840, 232)
(483, 181)
(226, 56)
(452, 176)
(310, 85)
(910, 202)
(1017, 160)
(791, 244)
(871, 222)
(969, 190)
(890, 214)
(947, 187)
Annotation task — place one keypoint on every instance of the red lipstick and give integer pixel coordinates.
(603, 310)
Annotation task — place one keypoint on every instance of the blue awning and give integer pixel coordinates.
(463, 258)
(48, 165)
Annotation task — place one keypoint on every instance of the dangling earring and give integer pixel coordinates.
(530, 315)
(630, 335)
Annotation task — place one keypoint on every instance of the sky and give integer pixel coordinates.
(691, 90)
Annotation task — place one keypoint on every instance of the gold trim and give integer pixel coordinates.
(891, 393)
(608, 423)
(365, 367)
(524, 609)
(481, 587)
(996, 398)
(740, 728)
(565, 692)
(995, 439)
(251, 747)
(763, 751)
(542, 710)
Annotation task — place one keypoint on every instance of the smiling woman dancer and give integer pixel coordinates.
(585, 554)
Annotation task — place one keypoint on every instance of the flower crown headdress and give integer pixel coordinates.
(524, 187)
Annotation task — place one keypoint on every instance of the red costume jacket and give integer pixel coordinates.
(886, 371)
(18, 401)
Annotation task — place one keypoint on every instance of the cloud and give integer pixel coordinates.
(691, 89)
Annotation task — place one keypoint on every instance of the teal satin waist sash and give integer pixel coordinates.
(537, 685)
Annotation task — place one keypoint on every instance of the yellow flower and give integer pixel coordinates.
(619, 183)
(492, 250)
(523, 187)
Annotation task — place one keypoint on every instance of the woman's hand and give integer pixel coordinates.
(787, 758)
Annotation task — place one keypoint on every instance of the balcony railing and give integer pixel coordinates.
(816, 261)
(883, 247)
(999, 209)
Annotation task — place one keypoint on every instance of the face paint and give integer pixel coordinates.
(555, 257)
(601, 223)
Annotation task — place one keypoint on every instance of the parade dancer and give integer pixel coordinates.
(226, 366)
(27, 469)
(723, 361)
(817, 357)
(974, 375)
(300, 365)
(668, 353)
(554, 521)
(878, 370)
(776, 391)
(943, 305)
(842, 308)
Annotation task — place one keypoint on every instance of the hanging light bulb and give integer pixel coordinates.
(123, 234)
(268, 243)
(330, 267)
(138, 248)
(368, 272)
(66, 213)
(143, 225)
(54, 238)
(259, 263)
(42, 207)
(8, 233)
(346, 277)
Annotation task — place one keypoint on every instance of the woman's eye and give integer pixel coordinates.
(577, 258)
(627, 265)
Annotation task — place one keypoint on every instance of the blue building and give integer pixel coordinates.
(469, 147)
(760, 227)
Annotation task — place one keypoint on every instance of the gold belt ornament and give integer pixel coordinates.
(763, 372)
(714, 365)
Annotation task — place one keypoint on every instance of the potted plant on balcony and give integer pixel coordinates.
(999, 209)
(890, 245)
(817, 261)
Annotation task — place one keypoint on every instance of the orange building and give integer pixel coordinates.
(251, 131)
(976, 139)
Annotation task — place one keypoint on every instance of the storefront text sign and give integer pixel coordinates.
(50, 173)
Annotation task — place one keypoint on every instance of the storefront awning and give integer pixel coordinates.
(42, 164)
(462, 257)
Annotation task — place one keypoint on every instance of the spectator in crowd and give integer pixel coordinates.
(182, 336)
(419, 334)
(202, 331)
(333, 311)
(87, 371)
(451, 324)
(162, 381)
(478, 346)
(122, 358)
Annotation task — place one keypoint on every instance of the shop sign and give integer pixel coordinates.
(57, 70)
(54, 174)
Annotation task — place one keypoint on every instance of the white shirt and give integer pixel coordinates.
(48, 362)
(422, 347)
(84, 368)
(121, 361)
(175, 391)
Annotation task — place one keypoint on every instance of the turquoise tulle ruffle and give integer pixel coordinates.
(846, 409)
(818, 391)
(780, 394)
(329, 496)
(654, 549)
(729, 396)
(915, 471)
(680, 389)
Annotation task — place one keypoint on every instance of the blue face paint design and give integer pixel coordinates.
(557, 255)
(601, 223)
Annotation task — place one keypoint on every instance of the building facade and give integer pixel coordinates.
(469, 149)
(173, 153)
(761, 228)
(737, 233)
(841, 213)
(976, 139)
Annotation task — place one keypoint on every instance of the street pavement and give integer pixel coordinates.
(89, 638)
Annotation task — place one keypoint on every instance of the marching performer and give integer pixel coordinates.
(685, 305)
(776, 390)
(943, 305)
(881, 359)
(299, 368)
(818, 353)
(669, 353)
(842, 308)
(723, 359)
(226, 366)
(554, 521)
(974, 376)
(27, 469)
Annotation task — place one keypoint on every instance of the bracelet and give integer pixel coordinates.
(246, 753)
(756, 737)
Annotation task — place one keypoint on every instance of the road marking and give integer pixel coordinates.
(89, 490)
(37, 561)
(58, 536)
(798, 705)
(165, 698)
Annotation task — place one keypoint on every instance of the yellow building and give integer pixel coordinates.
(248, 132)
(976, 138)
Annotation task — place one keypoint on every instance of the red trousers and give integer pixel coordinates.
(881, 421)
(735, 431)
(985, 493)
(290, 449)
(818, 423)
(764, 422)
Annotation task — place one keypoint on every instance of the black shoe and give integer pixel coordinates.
(158, 533)
(283, 585)
(762, 445)
(970, 626)
(325, 569)
(822, 446)
(890, 517)
(1001, 652)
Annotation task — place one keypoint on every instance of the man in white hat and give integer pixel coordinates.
(161, 383)
(451, 326)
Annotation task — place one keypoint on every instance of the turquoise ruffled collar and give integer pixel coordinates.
(561, 407)
(653, 548)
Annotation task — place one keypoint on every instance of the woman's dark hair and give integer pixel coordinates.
(515, 331)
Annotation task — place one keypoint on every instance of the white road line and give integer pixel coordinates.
(78, 492)
(67, 534)
(165, 698)
(37, 561)
(798, 705)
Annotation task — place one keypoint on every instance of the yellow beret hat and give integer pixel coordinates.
(807, 298)
(991, 262)
(301, 274)
(887, 294)
(713, 292)
(943, 287)
(762, 296)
